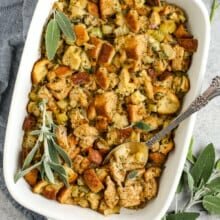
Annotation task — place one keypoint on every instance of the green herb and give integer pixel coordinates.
(65, 25)
(201, 181)
(132, 174)
(212, 204)
(183, 216)
(60, 22)
(204, 165)
(51, 160)
(143, 126)
(52, 38)
(215, 6)
(190, 156)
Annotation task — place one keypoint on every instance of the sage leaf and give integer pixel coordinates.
(30, 156)
(63, 154)
(65, 25)
(203, 167)
(180, 185)
(22, 173)
(52, 38)
(214, 185)
(183, 216)
(217, 165)
(211, 204)
(48, 172)
(132, 174)
(190, 157)
(61, 172)
(53, 153)
(143, 126)
(190, 180)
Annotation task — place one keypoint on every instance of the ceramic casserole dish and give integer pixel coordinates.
(200, 28)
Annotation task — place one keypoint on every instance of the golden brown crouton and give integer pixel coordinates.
(31, 177)
(152, 172)
(38, 188)
(158, 159)
(177, 63)
(101, 123)
(108, 7)
(106, 54)
(92, 180)
(39, 71)
(61, 136)
(81, 34)
(94, 199)
(94, 156)
(153, 2)
(63, 71)
(134, 113)
(93, 9)
(29, 123)
(117, 172)
(132, 20)
(134, 47)
(105, 104)
(189, 45)
(51, 190)
(72, 58)
(64, 194)
(72, 175)
(80, 164)
(110, 194)
(80, 78)
(97, 45)
(182, 32)
(102, 79)
(91, 111)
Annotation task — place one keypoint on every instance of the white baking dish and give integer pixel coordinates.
(200, 27)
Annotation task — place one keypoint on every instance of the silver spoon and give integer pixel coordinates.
(200, 102)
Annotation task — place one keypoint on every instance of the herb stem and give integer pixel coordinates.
(214, 7)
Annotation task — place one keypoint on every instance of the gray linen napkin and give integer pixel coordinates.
(15, 16)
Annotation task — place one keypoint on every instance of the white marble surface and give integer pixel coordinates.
(207, 127)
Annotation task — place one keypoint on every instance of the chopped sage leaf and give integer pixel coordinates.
(143, 126)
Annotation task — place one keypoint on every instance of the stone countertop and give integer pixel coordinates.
(207, 127)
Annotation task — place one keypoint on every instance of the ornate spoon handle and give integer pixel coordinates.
(200, 102)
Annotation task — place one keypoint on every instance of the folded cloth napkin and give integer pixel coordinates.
(15, 16)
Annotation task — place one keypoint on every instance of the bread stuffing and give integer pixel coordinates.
(127, 63)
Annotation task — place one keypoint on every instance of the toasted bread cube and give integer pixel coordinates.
(102, 78)
(134, 113)
(158, 159)
(182, 32)
(91, 111)
(51, 190)
(95, 156)
(72, 175)
(92, 180)
(189, 45)
(101, 123)
(132, 20)
(64, 195)
(81, 78)
(93, 9)
(38, 188)
(150, 189)
(134, 47)
(105, 104)
(108, 7)
(177, 63)
(81, 34)
(63, 71)
(94, 52)
(153, 2)
(106, 54)
(152, 172)
(39, 71)
(71, 57)
(31, 177)
(80, 164)
(105, 210)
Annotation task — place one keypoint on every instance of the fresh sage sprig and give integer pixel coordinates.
(215, 6)
(53, 155)
(59, 22)
(201, 180)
